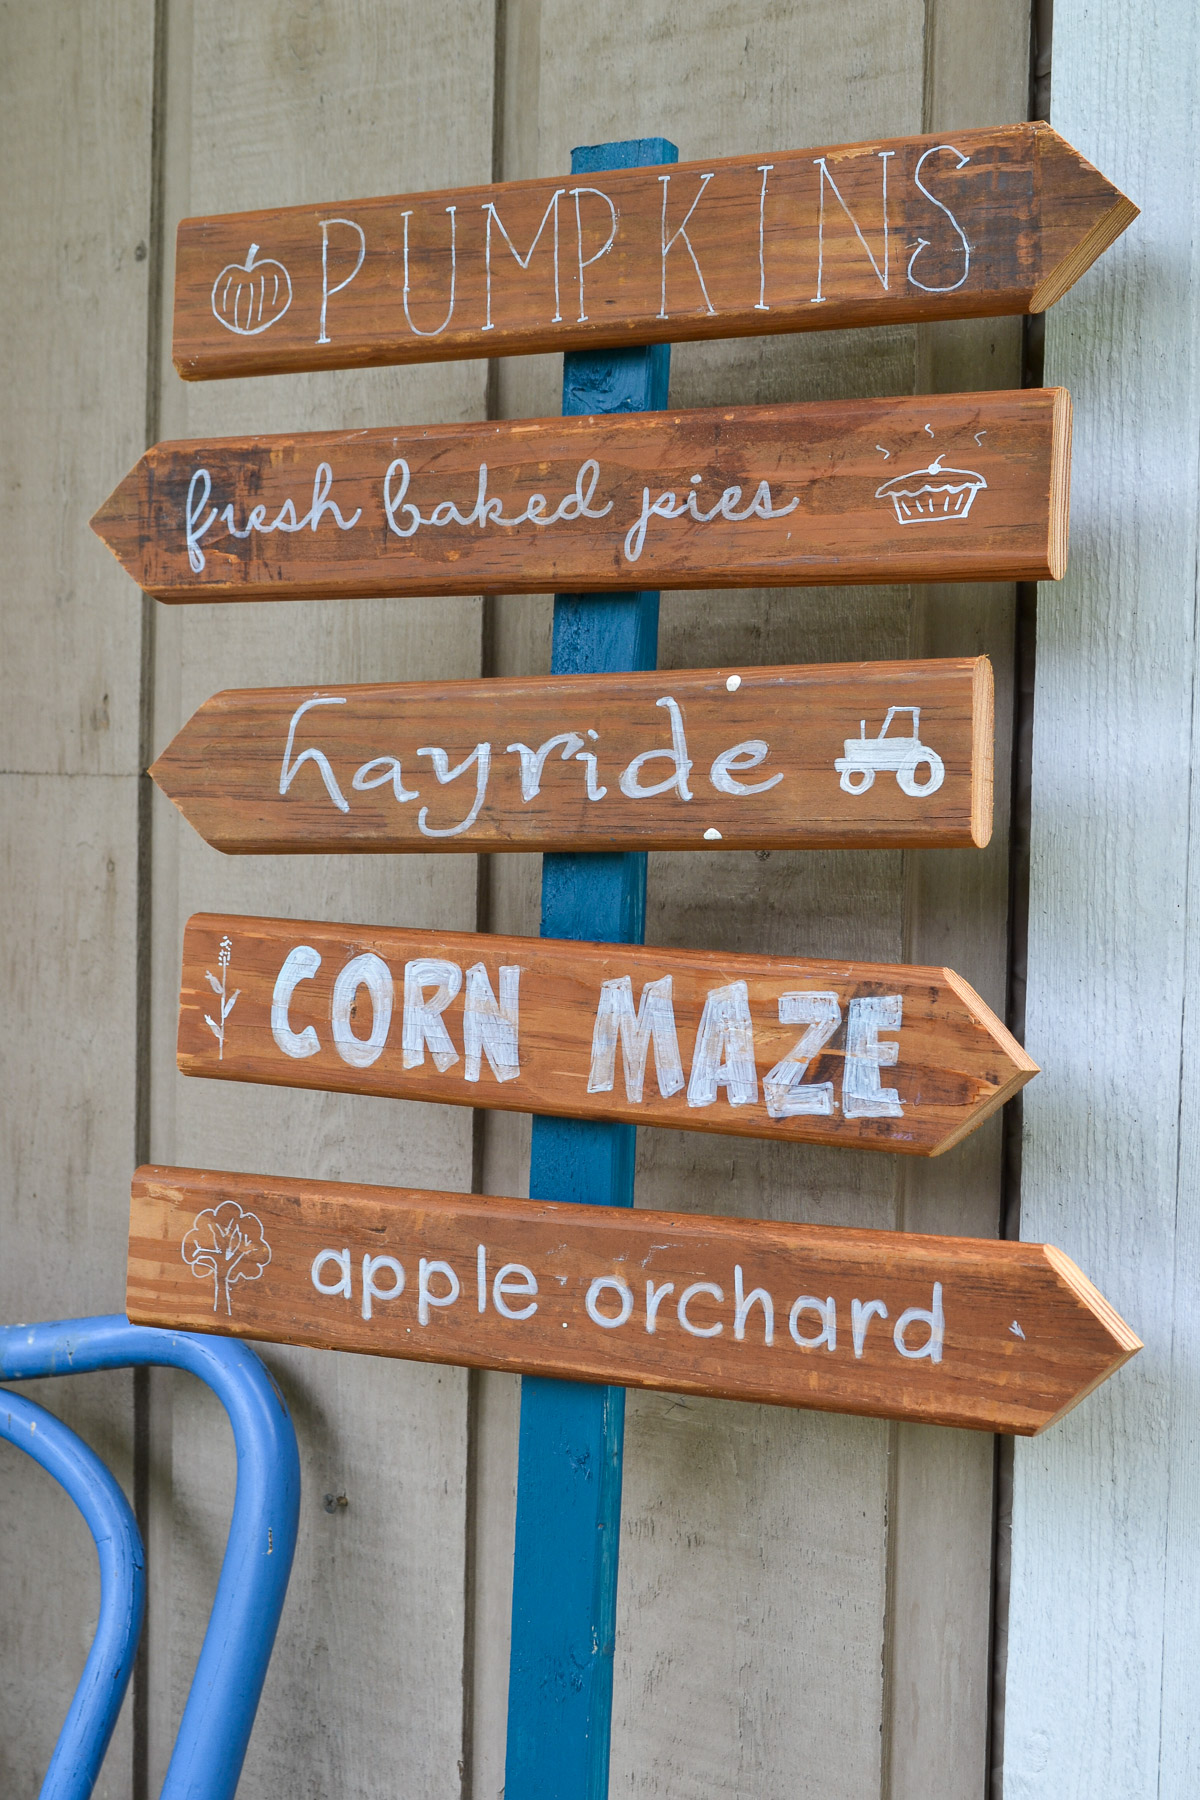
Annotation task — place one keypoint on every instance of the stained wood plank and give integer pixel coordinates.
(957, 487)
(995, 1336)
(996, 221)
(598, 1031)
(867, 755)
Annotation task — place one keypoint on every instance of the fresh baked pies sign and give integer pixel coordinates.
(965, 487)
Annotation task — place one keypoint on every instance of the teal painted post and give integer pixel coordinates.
(569, 1466)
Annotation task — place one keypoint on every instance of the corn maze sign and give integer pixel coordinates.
(867, 1055)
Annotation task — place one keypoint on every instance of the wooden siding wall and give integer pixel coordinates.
(1105, 1592)
(805, 1601)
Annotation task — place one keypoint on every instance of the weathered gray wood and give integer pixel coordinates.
(1105, 1527)
(269, 106)
(940, 1516)
(75, 142)
(696, 1632)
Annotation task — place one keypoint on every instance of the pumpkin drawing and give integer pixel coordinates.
(248, 297)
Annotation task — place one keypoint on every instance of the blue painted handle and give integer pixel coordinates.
(569, 1456)
(92, 1716)
(217, 1720)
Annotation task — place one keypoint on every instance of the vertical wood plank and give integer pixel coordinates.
(281, 103)
(568, 1516)
(941, 1503)
(1102, 1663)
(76, 92)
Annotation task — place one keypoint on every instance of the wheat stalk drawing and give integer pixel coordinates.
(218, 988)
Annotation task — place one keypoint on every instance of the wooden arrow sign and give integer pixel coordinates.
(963, 487)
(939, 1330)
(866, 754)
(993, 221)
(868, 1055)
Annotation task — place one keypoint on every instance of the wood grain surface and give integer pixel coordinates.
(761, 759)
(945, 1331)
(867, 1055)
(994, 221)
(949, 487)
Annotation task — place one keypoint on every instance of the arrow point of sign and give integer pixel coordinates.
(1082, 214)
(115, 523)
(1022, 1067)
(1113, 1341)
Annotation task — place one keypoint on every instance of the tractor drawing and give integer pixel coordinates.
(865, 756)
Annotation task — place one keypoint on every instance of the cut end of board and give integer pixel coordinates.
(983, 731)
(1060, 484)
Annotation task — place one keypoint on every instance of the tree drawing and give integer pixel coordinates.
(218, 988)
(225, 1245)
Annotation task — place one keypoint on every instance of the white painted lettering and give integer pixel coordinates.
(288, 771)
(861, 1314)
(932, 1316)
(342, 1285)
(195, 525)
(591, 779)
(681, 765)
(412, 326)
(742, 1304)
(481, 756)
(687, 1296)
(923, 243)
(533, 761)
(862, 1095)
(365, 777)
(371, 972)
(516, 1280)
(481, 1277)
(606, 1284)
(748, 755)
(724, 1054)
(423, 1022)
(668, 243)
(489, 1027)
(426, 1298)
(327, 292)
(405, 518)
(301, 964)
(522, 261)
(654, 1023)
(764, 170)
(654, 1299)
(585, 262)
(370, 1289)
(826, 1311)
(881, 274)
(285, 519)
(670, 506)
(786, 1095)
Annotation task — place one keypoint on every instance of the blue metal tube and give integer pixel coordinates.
(219, 1715)
(92, 1717)
(569, 1455)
